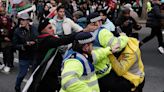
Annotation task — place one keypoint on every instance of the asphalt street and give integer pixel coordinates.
(153, 61)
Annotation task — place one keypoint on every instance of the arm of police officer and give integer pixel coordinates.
(105, 38)
(71, 73)
(99, 54)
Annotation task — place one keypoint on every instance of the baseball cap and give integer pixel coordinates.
(93, 17)
(24, 16)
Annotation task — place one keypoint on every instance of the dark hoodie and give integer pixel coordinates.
(154, 17)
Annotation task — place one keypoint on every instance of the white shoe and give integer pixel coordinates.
(2, 66)
(25, 80)
(161, 49)
(6, 69)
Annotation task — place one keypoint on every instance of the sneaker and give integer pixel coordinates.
(2, 66)
(140, 43)
(6, 69)
(25, 80)
(161, 49)
(17, 89)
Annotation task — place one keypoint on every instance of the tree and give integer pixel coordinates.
(144, 12)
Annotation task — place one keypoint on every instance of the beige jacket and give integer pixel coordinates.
(68, 25)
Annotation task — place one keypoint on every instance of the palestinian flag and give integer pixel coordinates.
(22, 6)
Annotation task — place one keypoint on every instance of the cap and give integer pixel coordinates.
(125, 11)
(84, 37)
(78, 14)
(129, 6)
(93, 17)
(43, 24)
(24, 16)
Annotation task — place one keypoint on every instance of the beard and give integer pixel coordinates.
(126, 17)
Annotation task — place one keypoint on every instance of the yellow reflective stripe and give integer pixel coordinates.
(70, 82)
(68, 74)
(87, 76)
(88, 69)
(96, 47)
(111, 41)
(104, 70)
(135, 68)
(94, 58)
(119, 42)
(90, 84)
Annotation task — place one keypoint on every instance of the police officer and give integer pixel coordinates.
(104, 38)
(78, 73)
(128, 69)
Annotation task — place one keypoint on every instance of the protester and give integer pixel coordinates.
(80, 19)
(127, 23)
(83, 7)
(43, 15)
(24, 41)
(106, 22)
(133, 14)
(46, 77)
(53, 6)
(153, 21)
(74, 5)
(39, 8)
(62, 24)
(2, 11)
(93, 7)
(6, 34)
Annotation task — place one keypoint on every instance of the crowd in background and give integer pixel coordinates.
(20, 32)
(75, 10)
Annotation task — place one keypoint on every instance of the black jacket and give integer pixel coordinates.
(131, 24)
(154, 17)
(20, 38)
(50, 81)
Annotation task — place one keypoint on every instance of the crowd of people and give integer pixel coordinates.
(90, 46)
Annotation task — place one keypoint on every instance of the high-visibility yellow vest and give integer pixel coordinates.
(129, 63)
(78, 75)
(104, 38)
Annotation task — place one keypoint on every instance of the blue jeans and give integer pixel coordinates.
(23, 69)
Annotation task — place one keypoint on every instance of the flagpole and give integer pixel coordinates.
(7, 5)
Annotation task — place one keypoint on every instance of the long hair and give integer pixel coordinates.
(8, 26)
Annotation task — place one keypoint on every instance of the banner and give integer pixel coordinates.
(22, 7)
